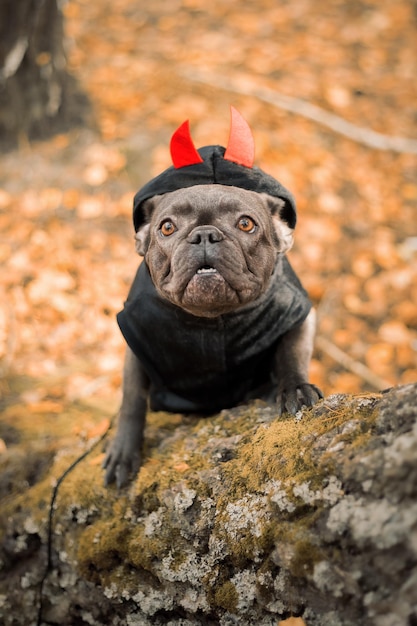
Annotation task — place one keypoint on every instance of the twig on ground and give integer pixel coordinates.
(11, 339)
(249, 87)
(346, 361)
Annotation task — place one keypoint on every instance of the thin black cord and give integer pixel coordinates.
(49, 565)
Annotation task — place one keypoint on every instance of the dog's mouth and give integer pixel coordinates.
(207, 293)
(206, 270)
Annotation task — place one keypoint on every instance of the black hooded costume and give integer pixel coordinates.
(203, 365)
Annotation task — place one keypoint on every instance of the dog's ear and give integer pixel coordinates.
(142, 239)
(283, 219)
(142, 234)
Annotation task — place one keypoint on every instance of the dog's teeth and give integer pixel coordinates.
(206, 270)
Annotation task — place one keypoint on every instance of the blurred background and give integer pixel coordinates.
(90, 94)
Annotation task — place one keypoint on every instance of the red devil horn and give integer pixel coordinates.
(241, 146)
(183, 151)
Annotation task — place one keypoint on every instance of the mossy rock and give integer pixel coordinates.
(242, 518)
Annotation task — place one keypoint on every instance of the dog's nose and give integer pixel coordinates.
(205, 234)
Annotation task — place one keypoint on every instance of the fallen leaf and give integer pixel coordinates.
(97, 460)
(292, 621)
(89, 207)
(45, 406)
(5, 199)
(379, 357)
(181, 467)
(95, 175)
(99, 429)
(395, 332)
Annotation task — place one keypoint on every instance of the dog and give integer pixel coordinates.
(215, 316)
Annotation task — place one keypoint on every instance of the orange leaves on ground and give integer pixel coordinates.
(3, 446)
(91, 430)
(45, 406)
(292, 621)
(102, 161)
(396, 333)
(379, 358)
(66, 245)
(181, 467)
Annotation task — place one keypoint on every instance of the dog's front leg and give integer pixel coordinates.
(292, 361)
(124, 456)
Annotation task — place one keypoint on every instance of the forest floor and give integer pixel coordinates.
(66, 243)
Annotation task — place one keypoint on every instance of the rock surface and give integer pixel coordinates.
(243, 518)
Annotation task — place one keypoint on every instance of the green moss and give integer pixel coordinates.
(282, 450)
(143, 551)
(101, 547)
(295, 542)
(305, 557)
(225, 596)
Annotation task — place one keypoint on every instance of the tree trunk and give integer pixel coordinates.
(33, 79)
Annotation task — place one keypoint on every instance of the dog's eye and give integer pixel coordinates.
(167, 228)
(246, 224)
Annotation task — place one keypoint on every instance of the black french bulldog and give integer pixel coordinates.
(215, 316)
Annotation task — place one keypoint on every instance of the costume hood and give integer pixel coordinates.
(214, 165)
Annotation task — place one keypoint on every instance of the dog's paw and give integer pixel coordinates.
(122, 462)
(293, 398)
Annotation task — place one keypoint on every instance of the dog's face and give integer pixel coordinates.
(211, 249)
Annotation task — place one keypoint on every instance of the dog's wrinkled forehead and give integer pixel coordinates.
(205, 203)
(213, 165)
